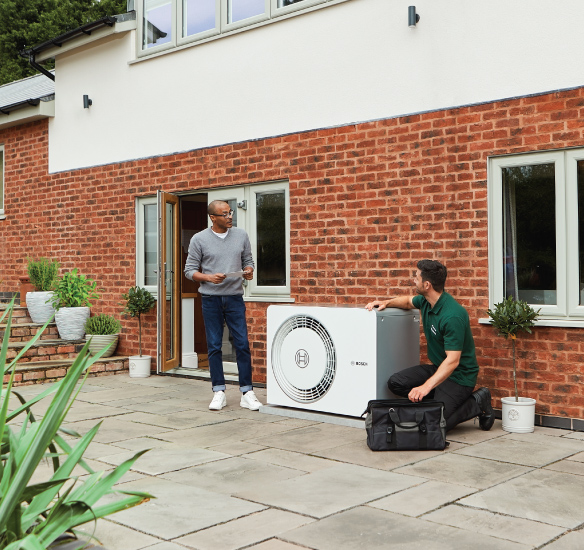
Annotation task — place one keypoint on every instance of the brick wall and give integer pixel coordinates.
(367, 201)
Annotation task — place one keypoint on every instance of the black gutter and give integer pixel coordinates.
(86, 29)
(5, 110)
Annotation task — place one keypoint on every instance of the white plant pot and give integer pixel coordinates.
(518, 416)
(140, 366)
(38, 310)
(99, 341)
(71, 322)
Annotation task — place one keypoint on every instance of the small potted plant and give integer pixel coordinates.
(509, 318)
(71, 300)
(139, 301)
(102, 331)
(43, 277)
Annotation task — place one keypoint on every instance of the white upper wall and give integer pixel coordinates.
(351, 62)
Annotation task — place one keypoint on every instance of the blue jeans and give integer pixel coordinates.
(231, 310)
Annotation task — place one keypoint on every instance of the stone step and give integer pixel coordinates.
(46, 350)
(40, 372)
(23, 332)
(19, 314)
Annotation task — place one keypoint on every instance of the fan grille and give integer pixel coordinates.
(304, 395)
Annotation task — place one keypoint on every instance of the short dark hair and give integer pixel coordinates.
(433, 271)
(212, 208)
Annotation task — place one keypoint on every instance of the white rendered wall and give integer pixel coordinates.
(351, 62)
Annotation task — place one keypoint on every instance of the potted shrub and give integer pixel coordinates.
(71, 300)
(102, 331)
(41, 513)
(43, 277)
(138, 301)
(509, 318)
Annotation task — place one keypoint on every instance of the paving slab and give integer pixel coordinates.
(488, 523)
(176, 421)
(115, 394)
(114, 429)
(330, 490)
(366, 527)
(464, 470)
(359, 453)
(535, 452)
(245, 531)
(291, 459)
(470, 433)
(116, 537)
(568, 466)
(570, 541)
(422, 498)
(232, 475)
(541, 495)
(275, 544)
(236, 448)
(179, 509)
(579, 457)
(169, 458)
(165, 546)
(311, 439)
(93, 411)
(168, 405)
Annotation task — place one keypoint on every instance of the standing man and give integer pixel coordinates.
(453, 373)
(213, 252)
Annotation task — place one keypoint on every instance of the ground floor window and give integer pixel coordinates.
(536, 238)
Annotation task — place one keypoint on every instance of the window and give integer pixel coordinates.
(536, 238)
(170, 23)
(263, 210)
(1, 182)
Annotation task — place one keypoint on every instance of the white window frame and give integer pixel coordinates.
(567, 308)
(140, 244)
(2, 181)
(272, 13)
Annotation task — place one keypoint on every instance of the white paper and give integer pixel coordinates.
(234, 274)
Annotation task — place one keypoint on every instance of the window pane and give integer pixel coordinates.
(198, 16)
(581, 228)
(157, 23)
(271, 239)
(284, 3)
(242, 9)
(150, 259)
(530, 233)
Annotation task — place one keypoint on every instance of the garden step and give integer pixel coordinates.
(39, 372)
(23, 332)
(46, 350)
(19, 314)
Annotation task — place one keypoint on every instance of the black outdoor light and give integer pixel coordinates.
(413, 17)
(86, 102)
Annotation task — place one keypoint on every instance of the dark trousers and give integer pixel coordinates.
(230, 310)
(459, 404)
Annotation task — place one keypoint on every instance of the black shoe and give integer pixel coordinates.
(487, 416)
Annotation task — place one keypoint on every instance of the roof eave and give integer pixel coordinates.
(23, 112)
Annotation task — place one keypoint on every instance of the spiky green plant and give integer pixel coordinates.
(510, 317)
(42, 273)
(33, 515)
(74, 290)
(102, 324)
(138, 300)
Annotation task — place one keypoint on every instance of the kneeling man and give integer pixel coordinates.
(452, 375)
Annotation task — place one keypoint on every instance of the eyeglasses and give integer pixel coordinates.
(226, 215)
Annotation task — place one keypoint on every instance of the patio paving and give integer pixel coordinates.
(243, 479)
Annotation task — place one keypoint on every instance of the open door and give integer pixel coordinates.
(169, 281)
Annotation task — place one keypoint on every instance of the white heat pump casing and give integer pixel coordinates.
(336, 359)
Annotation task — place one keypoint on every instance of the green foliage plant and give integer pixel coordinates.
(34, 514)
(510, 317)
(102, 324)
(138, 300)
(74, 290)
(43, 273)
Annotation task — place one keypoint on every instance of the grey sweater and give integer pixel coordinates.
(211, 254)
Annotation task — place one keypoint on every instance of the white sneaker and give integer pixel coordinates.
(218, 402)
(250, 401)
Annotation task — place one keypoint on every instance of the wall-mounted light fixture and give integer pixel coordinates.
(86, 102)
(413, 17)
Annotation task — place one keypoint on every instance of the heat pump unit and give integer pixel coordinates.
(335, 359)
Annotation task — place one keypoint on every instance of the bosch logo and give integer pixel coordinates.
(359, 363)
(302, 359)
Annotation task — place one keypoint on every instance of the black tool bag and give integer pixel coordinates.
(401, 425)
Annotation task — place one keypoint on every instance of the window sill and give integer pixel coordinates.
(563, 323)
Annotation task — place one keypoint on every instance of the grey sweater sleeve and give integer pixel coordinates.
(211, 254)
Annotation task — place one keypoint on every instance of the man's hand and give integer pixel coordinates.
(417, 394)
(248, 273)
(216, 278)
(376, 303)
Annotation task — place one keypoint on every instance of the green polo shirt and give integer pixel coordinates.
(447, 328)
